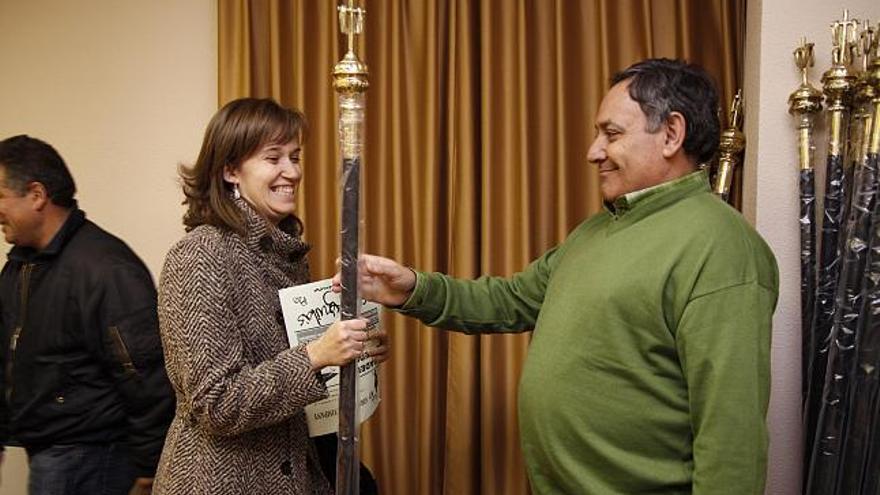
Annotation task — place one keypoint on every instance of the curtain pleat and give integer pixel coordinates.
(479, 117)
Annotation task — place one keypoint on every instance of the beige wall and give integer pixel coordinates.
(123, 89)
(771, 192)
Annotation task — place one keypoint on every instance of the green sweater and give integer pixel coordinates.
(649, 366)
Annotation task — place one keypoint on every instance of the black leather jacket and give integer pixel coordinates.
(82, 359)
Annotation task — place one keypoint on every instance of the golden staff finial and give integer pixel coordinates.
(803, 58)
(736, 111)
(351, 80)
(867, 46)
(843, 34)
(351, 22)
(872, 80)
(732, 143)
(838, 81)
(804, 103)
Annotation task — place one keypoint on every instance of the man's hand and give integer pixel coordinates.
(381, 280)
(142, 486)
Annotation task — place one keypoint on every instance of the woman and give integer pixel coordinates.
(239, 427)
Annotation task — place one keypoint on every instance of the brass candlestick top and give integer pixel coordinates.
(806, 99)
(350, 75)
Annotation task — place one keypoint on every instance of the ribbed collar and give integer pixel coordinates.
(640, 203)
(283, 241)
(24, 254)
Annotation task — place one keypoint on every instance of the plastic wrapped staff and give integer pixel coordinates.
(848, 315)
(804, 103)
(822, 414)
(733, 141)
(863, 366)
(350, 82)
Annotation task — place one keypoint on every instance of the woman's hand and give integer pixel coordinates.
(378, 346)
(346, 341)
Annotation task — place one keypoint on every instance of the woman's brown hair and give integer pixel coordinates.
(237, 131)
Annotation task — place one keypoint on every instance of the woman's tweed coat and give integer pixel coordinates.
(239, 426)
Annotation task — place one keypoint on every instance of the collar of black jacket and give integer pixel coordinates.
(24, 254)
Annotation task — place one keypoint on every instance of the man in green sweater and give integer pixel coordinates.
(648, 370)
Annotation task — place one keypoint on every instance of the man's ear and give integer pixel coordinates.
(38, 195)
(675, 131)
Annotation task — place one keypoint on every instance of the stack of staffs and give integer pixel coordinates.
(837, 83)
(730, 148)
(804, 103)
(843, 359)
(350, 81)
(859, 463)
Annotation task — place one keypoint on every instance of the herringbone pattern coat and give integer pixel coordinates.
(239, 428)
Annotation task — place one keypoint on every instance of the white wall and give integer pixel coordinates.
(774, 30)
(123, 89)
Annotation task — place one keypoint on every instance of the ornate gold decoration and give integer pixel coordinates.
(863, 93)
(872, 79)
(350, 80)
(837, 81)
(804, 103)
(733, 141)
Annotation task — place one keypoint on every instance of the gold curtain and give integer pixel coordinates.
(479, 116)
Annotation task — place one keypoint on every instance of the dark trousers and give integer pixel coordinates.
(79, 469)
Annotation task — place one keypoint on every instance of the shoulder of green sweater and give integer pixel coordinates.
(715, 221)
(734, 253)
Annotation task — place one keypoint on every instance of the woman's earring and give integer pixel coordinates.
(235, 192)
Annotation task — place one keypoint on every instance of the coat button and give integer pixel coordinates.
(285, 468)
(265, 243)
(279, 317)
(59, 399)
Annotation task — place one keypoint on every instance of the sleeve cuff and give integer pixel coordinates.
(418, 294)
(314, 389)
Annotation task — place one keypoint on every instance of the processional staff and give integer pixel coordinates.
(835, 296)
(837, 82)
(350, 82)
(860, 461)
(804, 103)
(733, 141)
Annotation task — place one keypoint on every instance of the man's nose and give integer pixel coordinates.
(596, 153)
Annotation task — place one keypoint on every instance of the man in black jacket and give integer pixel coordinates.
(84, 384)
